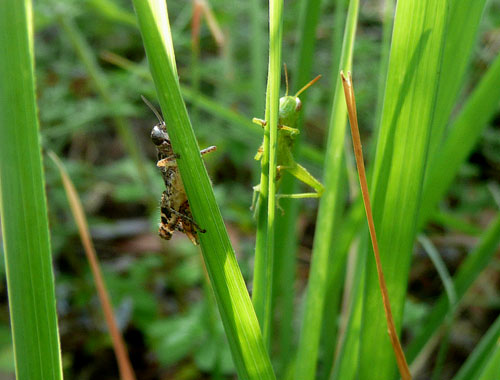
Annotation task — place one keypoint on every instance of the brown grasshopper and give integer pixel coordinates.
(174, 205)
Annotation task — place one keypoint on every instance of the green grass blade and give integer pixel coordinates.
(264, 252)
(323, 239)
(25, 231)
(464, 133)
(274, 80)
(409, 109)
(476, 360)
(476, 261)
(238, 316)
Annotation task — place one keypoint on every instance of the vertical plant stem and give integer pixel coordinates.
(353, 119)
(260, 263)
(23, 209)
(274, 78)
(266, 254)
(124, 366)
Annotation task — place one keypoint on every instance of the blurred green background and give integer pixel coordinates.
(89, 106)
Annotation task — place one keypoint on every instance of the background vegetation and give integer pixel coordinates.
(90, 72)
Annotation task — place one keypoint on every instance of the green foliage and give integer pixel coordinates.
(427, 86)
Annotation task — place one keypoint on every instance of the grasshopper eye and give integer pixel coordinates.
(158, 136)
(298, 104)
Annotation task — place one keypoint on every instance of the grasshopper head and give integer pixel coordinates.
(290, 107)
(159, 135)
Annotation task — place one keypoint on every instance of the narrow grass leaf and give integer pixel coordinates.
(25, 231)
(307, 355)
(238, 316)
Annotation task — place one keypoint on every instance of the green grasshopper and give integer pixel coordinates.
(289, 112)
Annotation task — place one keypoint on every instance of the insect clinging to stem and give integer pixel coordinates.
(174, 205)
(289, 112)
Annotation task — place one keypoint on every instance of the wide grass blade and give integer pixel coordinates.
(238, 316)
(409, 110)
(307, 355)
(25, 231)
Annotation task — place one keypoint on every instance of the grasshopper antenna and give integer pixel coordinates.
(308, 85)
(286, 79)
(155, 111)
